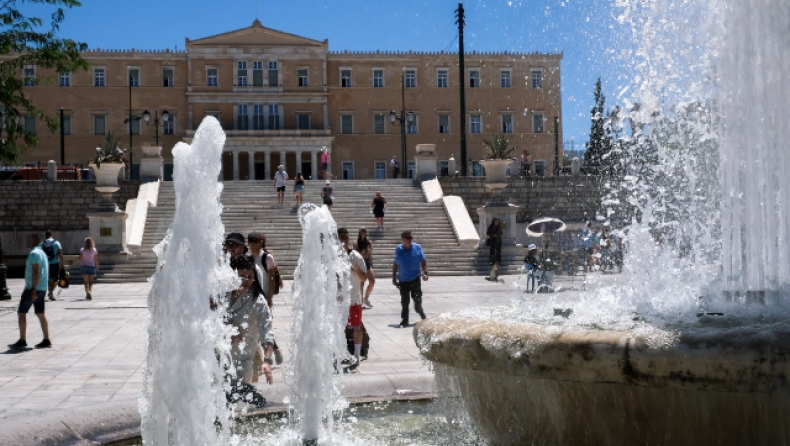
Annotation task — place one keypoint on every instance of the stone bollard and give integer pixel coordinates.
(52, 171)
(575, 166)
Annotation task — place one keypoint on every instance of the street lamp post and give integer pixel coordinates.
(403, 119)
(165, 118)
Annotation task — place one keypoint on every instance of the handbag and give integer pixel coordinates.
(63, 278)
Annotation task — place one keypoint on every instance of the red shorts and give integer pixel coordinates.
(355, 316)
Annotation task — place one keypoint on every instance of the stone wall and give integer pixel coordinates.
(56, 205)
(571, 199)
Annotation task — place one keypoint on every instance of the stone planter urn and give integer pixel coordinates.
(107, 183)
(496, 175)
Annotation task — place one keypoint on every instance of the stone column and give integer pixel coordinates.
(326, 116)
(268, 161)
(282, 160)
(235, 166)
(252, 164)
(314, 164)
(298, 162)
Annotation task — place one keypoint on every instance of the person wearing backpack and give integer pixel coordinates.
(268, 275)
(54, 252)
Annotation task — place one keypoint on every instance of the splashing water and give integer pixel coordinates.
(182, 400)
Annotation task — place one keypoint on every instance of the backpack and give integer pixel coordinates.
(278, 278)
(49, 248)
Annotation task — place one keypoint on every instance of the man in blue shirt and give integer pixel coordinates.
(34, 295)
(409, 259)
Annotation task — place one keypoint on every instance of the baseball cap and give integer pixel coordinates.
(255, 236)
(234, 237)
(532, 246)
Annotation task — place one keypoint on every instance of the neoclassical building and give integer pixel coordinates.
(281, 98)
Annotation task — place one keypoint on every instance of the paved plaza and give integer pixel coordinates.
(99, 346)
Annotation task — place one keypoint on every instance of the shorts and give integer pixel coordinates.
(27, 302)
(54, 269)
(378, 214)
(280, 188)
(368, 264)
(299, 189)
(355, 316)
(88, 270)
(328, 201)
(324, 166)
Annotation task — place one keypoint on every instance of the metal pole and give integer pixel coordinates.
(62, 140)
(462, 77)
(4, 294)
(131, 147)
(556, 146)
(156, 125)
(405, 172)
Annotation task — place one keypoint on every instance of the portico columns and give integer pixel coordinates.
(267, 171)
(235, 166)
(313, 165)
(298, 161)
(252, 165)
(282, 160)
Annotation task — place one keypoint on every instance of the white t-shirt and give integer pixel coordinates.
(356, 283)
(263, 275)
(280, 178)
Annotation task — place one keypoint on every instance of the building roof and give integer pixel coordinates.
(258, 35)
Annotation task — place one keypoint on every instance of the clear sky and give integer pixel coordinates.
(583, 30)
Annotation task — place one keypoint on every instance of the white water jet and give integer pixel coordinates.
(320, 306)
(182, 400)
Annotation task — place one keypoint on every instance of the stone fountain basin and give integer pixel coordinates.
(525, 383)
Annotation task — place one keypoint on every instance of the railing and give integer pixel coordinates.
(261, 133)
(38, 172)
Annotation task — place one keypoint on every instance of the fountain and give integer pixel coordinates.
(692, 345)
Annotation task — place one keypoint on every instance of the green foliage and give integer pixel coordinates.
(497, 147)
(600, 144)
(111, 152)
(25, 41)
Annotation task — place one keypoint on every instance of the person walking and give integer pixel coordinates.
(326, 194)
(377, 206)
(298, 188)
(324, 164)
(357, 281)
(34, 295)
(365, 248)
(89, 258)
(409, 260)
(395, 167)
(494, 233)
(280, 177)
(54, 252)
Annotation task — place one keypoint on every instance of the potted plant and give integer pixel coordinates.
(112, 158)
(496, 162)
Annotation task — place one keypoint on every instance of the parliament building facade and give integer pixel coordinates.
(282, 98)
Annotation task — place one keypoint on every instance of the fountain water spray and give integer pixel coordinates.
(320, 303)
(182, 400)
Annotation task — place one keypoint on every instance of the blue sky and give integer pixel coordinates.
(584, 30)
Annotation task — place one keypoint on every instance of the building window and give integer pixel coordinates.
(30, 76)
(346, 124)
(211, 77)
(345, 78)
(474, 78)
(242, 118)
(99, 124)
(411, 127)
(257, 117)
(66, 125)
(134, 126)
(444, 168)
(537, 79)
(167, 77)
(241, 73)
(540, 168)
(378, 78)
(257, 73)
(302, 77)
(30, 124)
(411, 169)
(411, 78)
(504, 77)
(537, 123)
(380, 170)
(98, 78)
(64, 79)
(441, 79)
(444, 123)
(168, 127)
(348, 170)
(475, 124)
(303, 121)
(507, 123)
(134, 77)
(274, 74)
(378, 123)
(274, 117)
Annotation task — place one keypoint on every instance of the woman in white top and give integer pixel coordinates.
(89, 259)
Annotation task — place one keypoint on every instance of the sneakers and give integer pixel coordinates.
(51, 296)
(44, 344)
(367, 305)
(278, 357)
(18, 345)
(88, 296)
(422, 315)
(403, 324)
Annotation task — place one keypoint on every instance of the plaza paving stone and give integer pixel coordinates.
(99, 346)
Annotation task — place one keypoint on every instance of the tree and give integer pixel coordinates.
(600, 144)
(25, 42)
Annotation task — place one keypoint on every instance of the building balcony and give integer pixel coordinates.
(264, 133)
